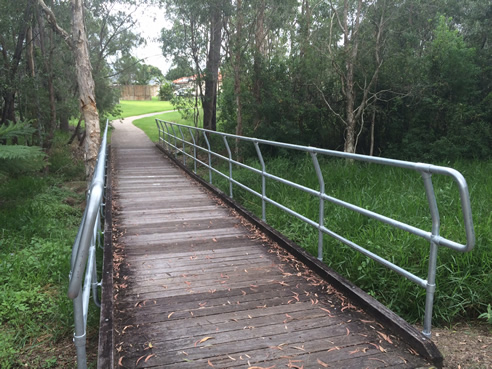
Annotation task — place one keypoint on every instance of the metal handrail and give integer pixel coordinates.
(83, 261)
(169, 140)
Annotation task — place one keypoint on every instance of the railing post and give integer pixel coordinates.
(194, 149)
(168, 140)
(163, 135)
(209, 158)
(79, 337)
(184, 146)
(175, 141)
(431, 273)
(263, 182)
(158, 129)
(230, 164)
(321, 218)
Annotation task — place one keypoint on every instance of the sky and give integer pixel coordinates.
(151, 20)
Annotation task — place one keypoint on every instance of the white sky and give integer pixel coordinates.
(151, 20)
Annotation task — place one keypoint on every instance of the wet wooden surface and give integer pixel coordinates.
(198, 287)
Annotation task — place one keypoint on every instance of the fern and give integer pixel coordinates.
(12, 130)
(18, 158)
(15, 152)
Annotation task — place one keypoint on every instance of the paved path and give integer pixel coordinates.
(197, 287)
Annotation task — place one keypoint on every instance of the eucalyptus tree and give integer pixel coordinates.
(196, 35)
(77, 41)
(187, 39)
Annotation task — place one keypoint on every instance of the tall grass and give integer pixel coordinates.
(464, 281)
(38, 222)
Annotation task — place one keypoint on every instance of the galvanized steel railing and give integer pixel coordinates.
(171, 136)
(83, 262)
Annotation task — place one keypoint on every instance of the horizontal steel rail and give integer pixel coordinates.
(83, 261)
(172, 138)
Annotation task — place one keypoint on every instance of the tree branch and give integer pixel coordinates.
(50, 17)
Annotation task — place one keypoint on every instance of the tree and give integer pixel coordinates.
(12, 60)
(349, 17)
(180, 68)
(79, 46)
(209, 102)
(130, 70)
(196, 35)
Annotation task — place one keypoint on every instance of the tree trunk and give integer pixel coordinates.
(237, 73)
(86, 87)
(47, 62)
(212, 70)
(258, 56)
(8, 113)
(78, 43)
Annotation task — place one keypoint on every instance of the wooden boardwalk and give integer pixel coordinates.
(197, 286)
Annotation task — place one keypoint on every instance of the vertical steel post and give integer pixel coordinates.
(158, 129)
(321, 218)
(230, 165)
(184, 147)
(79, 338)
(175, 141)
(192, 134)
(209, 158)
(263, 182)
(168, 140)
(163, 135)
(431, 273)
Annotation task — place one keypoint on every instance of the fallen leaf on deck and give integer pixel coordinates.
(120, 362)
(385, 337)
(322, 363)
(148, 357)
(203, 340)
(373, 358)
(210, 363)
(170, 315)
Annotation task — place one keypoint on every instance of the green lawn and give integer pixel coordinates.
(134, 108)
(149, 126)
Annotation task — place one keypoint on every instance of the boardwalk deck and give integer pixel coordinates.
(197, 286)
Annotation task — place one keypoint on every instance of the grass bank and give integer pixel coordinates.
(39, 217)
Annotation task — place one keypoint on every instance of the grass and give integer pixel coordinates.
(134, 108)
(464, 281)
(148, 124)
(39, 220)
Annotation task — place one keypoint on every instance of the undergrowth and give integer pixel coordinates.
(39, 217)
(464, 281)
